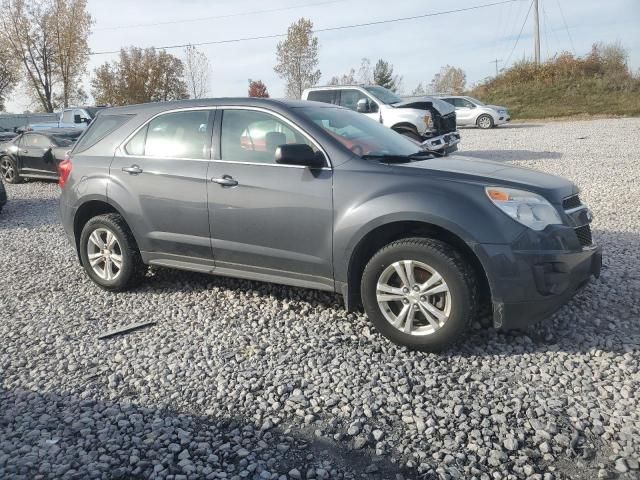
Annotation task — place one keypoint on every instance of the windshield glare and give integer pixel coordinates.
(476, 101)
(359, 133)
(383, 94)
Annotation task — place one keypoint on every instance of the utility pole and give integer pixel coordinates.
(496, 61)
(536, 32)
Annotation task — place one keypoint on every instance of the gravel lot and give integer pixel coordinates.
(249, 380)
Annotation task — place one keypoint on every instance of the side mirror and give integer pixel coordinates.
(298, 154)
(77, 118)
(363, 106)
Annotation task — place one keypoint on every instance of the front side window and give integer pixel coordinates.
(35, 141)
(359, 133)
(176, 135)
(67, 116)
(383, 94)
(350, 98)
(252, 136)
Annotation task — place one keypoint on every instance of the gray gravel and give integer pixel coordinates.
(250, 380)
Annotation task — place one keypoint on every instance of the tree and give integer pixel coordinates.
(196, 72)
(419, 91)
(71, 26)
(365, 75)
(383, 76)
(139, 76)
(9, 77)
(25, 30)
(258, 89)
(297, 58)
(449, 80)
(344, 79)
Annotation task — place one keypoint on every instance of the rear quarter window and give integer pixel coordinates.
(102, 126)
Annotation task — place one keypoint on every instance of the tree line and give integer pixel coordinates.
(44, 50)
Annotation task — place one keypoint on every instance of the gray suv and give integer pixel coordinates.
(318, 196)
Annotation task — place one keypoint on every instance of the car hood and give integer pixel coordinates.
(420, 103)
(487, 172)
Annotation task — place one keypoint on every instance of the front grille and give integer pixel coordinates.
(584, 235)
(571, 202)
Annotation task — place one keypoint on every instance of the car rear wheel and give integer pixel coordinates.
(419, 293)
(109, 253)
(9, 170)
(485, 122)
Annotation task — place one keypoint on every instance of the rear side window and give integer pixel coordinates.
(102, 126)
(324, 96)
(173, 135)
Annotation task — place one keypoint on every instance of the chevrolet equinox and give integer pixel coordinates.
(318, 196)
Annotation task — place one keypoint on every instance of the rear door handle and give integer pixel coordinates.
(133, 169)
(225, 181)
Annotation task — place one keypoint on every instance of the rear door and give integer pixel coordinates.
(159, 177)
(268, 221)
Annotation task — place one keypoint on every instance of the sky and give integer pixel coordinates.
(416, 48)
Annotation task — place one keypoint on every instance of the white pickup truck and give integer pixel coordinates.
(427, 120)
(74, 117)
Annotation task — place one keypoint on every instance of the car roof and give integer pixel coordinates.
(158, 107)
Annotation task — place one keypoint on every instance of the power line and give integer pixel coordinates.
(213, 17)
(519, 34)
(328, 29)
(566, 27)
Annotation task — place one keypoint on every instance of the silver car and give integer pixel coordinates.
(471, 111)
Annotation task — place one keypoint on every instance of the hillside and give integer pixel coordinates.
(599, 83)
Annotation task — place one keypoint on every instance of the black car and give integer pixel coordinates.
(35, 154)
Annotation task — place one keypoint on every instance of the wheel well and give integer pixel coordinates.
(85, 213)
(385, 234)
(405, 126)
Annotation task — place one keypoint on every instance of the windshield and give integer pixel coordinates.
(476, 101)
(93, 110)
(359, 133)
(383, 94)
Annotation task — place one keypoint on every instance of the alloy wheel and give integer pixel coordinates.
(7, 170)
(104, 254)
(413, 297)
(484, 122)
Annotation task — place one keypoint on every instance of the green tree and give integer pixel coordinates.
(383, 76)
(297, 58)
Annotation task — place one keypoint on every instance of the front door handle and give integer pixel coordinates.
(225, 181)
(25, 151)
(132, 170)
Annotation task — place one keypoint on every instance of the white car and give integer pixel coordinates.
(426, 120)
(471, 111)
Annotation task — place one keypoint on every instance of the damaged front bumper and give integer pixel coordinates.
(442, 144)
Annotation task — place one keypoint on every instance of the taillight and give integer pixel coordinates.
(64, 170)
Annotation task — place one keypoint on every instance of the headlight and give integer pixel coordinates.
(428, 121)
(528, 208)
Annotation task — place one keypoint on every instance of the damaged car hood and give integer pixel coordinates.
(423, 103)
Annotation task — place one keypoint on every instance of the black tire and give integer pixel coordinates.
(480, 122)
(133, 268)
(411, 134)
(10, 175)
(458, 275)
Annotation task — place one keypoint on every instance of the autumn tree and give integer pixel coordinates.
(139, 76)
(196, 72)
(9, 77)
(449, 80)
(25, 30)
(70, 26)
(258, 89)
(297, 58)
(383, 76)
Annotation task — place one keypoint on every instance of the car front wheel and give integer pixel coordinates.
(109, 253)
(485, 122)
(9, 170)
(419, 293)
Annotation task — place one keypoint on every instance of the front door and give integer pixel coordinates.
(33, 153)
(268, 221)
(160, 179)
(349, 98)
(465, 114)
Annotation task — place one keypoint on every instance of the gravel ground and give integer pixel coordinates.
(249, 380)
